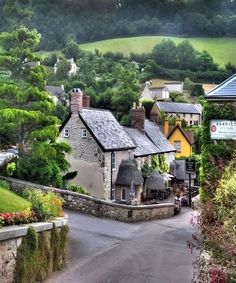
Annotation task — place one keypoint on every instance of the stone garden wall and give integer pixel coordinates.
(11, 239)
(101, 208)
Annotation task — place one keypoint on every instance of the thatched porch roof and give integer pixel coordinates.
(127, 173)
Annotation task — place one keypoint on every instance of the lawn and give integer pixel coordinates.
(11, 202)
(222, 49)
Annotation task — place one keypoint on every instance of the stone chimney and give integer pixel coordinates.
(76, 101)
(86, 101)
(166, 127)
(138, 117)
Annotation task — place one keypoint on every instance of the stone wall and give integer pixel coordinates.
(102, 208)
(11, 238)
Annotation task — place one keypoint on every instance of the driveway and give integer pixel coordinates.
(103, 251)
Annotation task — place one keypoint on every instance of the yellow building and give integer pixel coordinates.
(181, 140)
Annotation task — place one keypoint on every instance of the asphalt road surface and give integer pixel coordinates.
(107, 251)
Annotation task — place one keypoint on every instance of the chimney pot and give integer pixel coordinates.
(138, 118)
(76, 101)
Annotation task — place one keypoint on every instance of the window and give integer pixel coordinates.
(196, 123)
(123, 194)
(177, 145)
(84, 133)
(113, 161)
(191, 122)
(66, 133)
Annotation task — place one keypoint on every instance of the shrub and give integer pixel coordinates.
(46, 205)
(11, 169)
(16, 218)
(77, 189)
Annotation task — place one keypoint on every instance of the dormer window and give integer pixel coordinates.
(84, 133)
(66, 133)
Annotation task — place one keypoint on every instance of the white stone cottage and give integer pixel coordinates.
(99, 144)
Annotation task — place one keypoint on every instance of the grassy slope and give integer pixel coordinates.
(222, 49)
(10, 202)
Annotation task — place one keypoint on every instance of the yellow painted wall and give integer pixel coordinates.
(186, 148)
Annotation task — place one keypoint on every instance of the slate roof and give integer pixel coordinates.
(127, 173)
(106, 130)
(175, 107)
(224, 91)
(177, 168)
(157, 137)
(143, 143)
(155, 181)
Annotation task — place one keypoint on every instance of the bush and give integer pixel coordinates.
(16, 218)
(11, 169)
(77, 189)
(44, 205)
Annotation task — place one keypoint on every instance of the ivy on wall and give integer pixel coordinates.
(214, 154)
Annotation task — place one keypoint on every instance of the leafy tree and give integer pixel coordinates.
(18, 51)
(165, 53)
(63, 68)
(197, 90)
(72, 50)
(186, 55)
(26, 112)
(126, 92)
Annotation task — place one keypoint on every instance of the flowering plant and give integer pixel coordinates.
(15, 218)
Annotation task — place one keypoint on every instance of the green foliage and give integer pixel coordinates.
(225, 197)
(178, 97)
(215, 155)
(45, 206)
(72, 50)
(11, 169)
(25, 253)
(197, 90)
(49, 162)
(159, 163)
(188, 84)
(40, 254)
(147, 104)
(77, 189)
(63, 68)
(146, 170)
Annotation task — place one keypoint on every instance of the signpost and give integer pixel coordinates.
(190, 168)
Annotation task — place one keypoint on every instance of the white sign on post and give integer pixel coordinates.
(223, 129)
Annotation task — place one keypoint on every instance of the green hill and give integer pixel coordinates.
(11, 202)
(222, 49)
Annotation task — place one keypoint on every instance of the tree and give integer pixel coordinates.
(126, 92)
(165, 53)
(18, 51)
(186, 56)
(63, 68)
(72, 50)
(26, 112)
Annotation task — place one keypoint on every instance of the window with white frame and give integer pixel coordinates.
(177, 146)
(113, 161)
(66, 133)
(196, 123)
(84, 133)
(123, 194)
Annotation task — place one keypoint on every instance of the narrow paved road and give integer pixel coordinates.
(105, 251)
